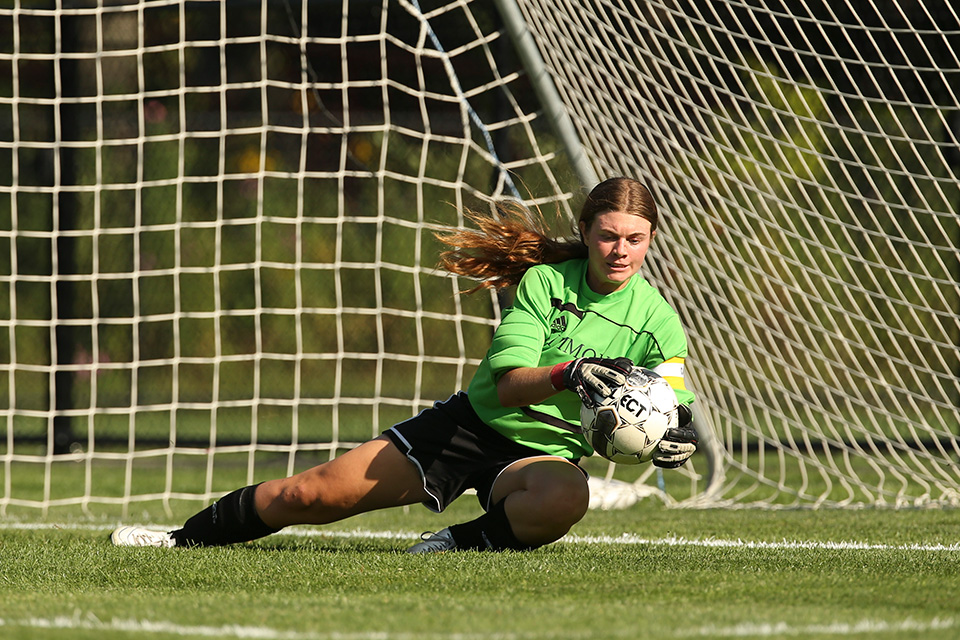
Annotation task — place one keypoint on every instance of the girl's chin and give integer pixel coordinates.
(618, 275)
(609, 280)
(614, 281)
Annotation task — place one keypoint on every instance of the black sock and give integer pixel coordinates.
(233, 518)
(491, 531)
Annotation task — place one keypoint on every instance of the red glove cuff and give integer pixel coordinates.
(556, 375)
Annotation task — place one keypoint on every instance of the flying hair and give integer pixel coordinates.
(501, 249)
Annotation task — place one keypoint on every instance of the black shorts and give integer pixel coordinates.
(455, 451)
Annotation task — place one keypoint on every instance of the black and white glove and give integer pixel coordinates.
(594, 379)
(679, 443)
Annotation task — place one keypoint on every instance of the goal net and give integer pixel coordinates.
(217, 261)
(806, 156)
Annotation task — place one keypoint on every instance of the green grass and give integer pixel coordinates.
(682, 574)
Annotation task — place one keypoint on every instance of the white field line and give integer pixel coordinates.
(751, 544)
(869, 628)
(625, 538)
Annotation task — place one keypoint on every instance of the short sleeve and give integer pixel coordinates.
(518, 341)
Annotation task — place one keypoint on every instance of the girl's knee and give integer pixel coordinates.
(298, 495)
(568, 502)
(313, 490)
(546, 511)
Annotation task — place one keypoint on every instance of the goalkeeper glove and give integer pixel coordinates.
(679, 443)
(594, 379)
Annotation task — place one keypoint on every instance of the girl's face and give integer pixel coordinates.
(617, 244)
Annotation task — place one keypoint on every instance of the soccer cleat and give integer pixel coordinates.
(140, 537)
(435, 542)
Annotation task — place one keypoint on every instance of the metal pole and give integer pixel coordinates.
(546, 91)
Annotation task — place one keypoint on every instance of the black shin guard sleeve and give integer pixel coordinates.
(231, 519)
(491, 531)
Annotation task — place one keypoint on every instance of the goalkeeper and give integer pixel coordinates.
(582, 315)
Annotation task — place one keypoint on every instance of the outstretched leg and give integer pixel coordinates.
(375, 475)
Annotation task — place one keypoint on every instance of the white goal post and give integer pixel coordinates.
(217, 260)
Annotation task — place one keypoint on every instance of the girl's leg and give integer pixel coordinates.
(375, 475)
(543, 498)
(534, 501)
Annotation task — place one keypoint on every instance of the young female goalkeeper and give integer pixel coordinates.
(581, 310)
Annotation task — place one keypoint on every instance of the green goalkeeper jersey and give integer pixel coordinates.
(555, 318)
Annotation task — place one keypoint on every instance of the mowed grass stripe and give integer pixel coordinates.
(629, 539)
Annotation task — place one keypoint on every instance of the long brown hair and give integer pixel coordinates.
(501, 250)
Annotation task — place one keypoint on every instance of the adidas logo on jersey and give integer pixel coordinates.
(559, 325)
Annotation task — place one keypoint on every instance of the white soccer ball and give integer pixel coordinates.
(627, 427)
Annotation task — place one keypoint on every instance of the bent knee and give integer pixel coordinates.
(557, 506)
(568, 503)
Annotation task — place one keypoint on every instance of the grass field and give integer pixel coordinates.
(645, 572)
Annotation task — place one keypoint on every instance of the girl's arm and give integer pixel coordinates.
(524, 386)
(590, 377)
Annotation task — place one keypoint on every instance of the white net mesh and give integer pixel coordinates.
(216, 233)
(805, 155)
(216, 250)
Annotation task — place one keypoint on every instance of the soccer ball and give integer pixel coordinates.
(627, 427)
